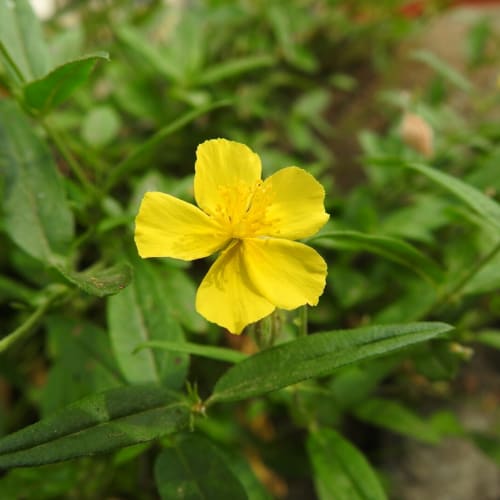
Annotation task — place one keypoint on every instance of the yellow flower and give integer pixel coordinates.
(252, 222)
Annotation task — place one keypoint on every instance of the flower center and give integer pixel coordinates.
(242, 210)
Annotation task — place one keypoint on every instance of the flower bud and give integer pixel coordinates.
(417, 134)
(461, 351)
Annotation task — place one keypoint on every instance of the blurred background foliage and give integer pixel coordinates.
(321, 84)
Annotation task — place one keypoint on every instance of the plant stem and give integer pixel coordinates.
(33, 319)
(459, 286)
(11, 63)
(133, 161)
(303, 321)
(70, 159)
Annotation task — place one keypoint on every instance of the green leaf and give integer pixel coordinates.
(391, 248)
(490, 338)
(149, 52)
(478, 37)
(488, 208)
(486, 280)
(281, 20)
(417, 221)
(352, 287)
(446, 423)
(437, 360)
(488, 443)
(145, 150)
(235, 67)
(241, 468)
(413, 301)
(23, 52)
(206, 351)
(99, 423)
(443, 69)
(81, 362)
(315, 356)
(394, 416)
(341, 472)
(194, 469)
(13, 290)
(100, 282)
(48, 92)
(37, 215)
(44, 483)
(139, 314)
(354, 383)
(181, 290)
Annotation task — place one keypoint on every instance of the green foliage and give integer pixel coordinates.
(483, 205)
(24, 53)
(82, 363)
(341, 471)
(316, 356)
(390, 248)
(397, 418)
(111, 383)
(141, 313)
(101, 282)
(37, 215)
(192, 468)
(46, 93)
(98, 423)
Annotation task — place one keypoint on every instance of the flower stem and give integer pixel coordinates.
(303, 321)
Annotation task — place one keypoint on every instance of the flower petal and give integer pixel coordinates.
(168, 227)
(226, 295)
(220, 162)
(297, 205)
(287, 273)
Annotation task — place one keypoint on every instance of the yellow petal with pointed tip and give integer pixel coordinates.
(297, 204)
(227, 297)
(222, 163)
(287, 273)
(168, 227)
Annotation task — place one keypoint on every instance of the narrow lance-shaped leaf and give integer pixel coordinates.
(442, 68)
(341, 472)
(99, 423)
(181, 291)
(490, 338)
(394, 416)
(37, 215)
(391, 248)
(100, 282)
(486, 207)
(487, 278)
(315, 356)
(54, 88)
(23, 52)
(143, 152)
(148, 52)
(195, 469)
(234, 67)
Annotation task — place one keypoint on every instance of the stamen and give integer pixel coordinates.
(242, 211)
